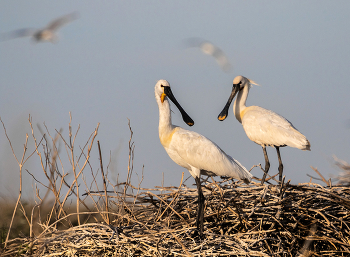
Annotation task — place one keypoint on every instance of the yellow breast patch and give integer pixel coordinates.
(165, 139)
(242, 113)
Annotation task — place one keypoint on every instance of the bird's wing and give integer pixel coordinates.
(26, 32)
(59, 22)
(193, 42)
(200, 152)
(219, 56)
(269, 128)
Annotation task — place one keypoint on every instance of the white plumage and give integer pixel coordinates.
(198, 154)
(191, 150)
(262, 126)
(266, 127)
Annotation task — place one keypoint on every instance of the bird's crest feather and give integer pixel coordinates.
(252, 82)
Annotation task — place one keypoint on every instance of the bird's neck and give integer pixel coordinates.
(239, 104)
(165, 125)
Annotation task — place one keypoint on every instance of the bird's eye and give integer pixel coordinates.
(240, 83)
(161, 86)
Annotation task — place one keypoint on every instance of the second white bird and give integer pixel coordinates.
(262, 126)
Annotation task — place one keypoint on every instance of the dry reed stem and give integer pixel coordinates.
(323, 179)
(131, 158)
(71, 147)
(20, 164)
(104, 182)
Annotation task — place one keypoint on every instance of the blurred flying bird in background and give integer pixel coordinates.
(210, 49)
(41, 35)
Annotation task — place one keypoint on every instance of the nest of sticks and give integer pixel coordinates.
(240, 220)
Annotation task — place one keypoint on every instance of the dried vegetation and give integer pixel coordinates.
(127, 220)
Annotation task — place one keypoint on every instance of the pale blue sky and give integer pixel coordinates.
(107, 62)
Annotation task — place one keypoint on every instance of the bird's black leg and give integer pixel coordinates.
(200, 213)
(280, 167)
(267, 165)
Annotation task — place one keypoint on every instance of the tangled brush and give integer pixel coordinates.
(240, 220)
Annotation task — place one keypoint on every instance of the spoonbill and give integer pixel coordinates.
(210, 49)
(264, 127)
(196, 153)
(45, 34)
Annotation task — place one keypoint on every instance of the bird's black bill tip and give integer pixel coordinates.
(191, 123)
(223, 115)
(187, 119)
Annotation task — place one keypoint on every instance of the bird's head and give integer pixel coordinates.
(239, 83)
(159, 89)
(163, 91)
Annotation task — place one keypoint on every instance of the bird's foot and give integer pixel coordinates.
(197, 234)
(283, 187)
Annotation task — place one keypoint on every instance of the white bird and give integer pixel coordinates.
(40, 35)
(210, 49)
(264, 127)
(196, 153)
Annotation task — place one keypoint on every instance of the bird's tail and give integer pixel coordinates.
(299, 141)
(243, 173)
